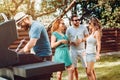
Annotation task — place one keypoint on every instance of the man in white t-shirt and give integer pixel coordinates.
(76, 35)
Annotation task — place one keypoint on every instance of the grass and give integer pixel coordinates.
(108, 68)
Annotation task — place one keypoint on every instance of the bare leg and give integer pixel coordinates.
(59, 75)
(90, 71)
(70, 72)
(76, 73)
(94, 74)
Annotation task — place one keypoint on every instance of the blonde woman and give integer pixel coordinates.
(93, 47)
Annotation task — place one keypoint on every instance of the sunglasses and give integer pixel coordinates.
(76, 20)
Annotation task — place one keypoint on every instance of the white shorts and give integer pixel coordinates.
(78, 54)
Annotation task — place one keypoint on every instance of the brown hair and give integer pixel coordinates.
(74, 15)
(55, 25)
(96, 23)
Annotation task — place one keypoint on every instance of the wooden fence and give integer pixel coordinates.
(110, 40)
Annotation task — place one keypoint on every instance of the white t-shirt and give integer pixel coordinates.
(74, 33)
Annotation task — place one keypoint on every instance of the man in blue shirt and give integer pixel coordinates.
(39, 39)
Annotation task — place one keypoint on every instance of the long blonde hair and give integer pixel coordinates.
(96, 24)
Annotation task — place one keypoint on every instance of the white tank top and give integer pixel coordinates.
(91, 43)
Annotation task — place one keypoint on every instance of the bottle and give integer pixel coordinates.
(77, 37)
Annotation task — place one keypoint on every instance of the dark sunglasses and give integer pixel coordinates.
(76, 20)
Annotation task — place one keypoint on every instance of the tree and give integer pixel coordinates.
(11, 7)
(108, 11)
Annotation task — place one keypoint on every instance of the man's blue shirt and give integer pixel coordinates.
(42, 47)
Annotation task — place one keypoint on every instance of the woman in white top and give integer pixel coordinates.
(93, 46)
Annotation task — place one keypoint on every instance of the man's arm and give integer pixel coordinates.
(29, 45)
(86, 34)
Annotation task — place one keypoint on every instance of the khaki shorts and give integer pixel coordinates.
(78, 54)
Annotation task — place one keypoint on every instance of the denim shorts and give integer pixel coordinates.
(90, 57)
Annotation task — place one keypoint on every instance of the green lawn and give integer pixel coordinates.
(108, 68)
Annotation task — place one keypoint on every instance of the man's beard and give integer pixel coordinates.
(26, 27)
(77, 25)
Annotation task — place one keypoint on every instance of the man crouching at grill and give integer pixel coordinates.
(39, 40)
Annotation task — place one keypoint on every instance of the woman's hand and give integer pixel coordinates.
(97, 56)
(64, 41)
